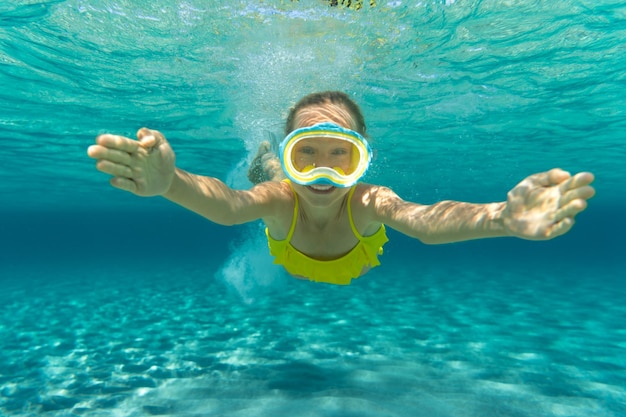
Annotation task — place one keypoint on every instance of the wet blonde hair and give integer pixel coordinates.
(333, 106)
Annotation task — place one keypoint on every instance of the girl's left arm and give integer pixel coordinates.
(541, 207)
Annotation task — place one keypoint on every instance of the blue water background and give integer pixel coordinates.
(462, 99)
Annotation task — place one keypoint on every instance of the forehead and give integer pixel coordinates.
(312, 115)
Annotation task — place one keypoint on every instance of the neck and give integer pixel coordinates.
(322, 216)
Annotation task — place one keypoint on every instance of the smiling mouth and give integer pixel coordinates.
(321, 189)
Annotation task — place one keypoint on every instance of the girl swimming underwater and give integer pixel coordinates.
(322, 224)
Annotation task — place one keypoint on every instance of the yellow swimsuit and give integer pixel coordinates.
(336, 271)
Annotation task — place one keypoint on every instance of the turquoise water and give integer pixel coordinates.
(118, 305)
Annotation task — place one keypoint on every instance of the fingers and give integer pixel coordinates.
(119, 143)
(580, 180)
(582, 193)
(546, 179)
(570, 187)
(114, 147)
(123, 158)
(113, 155)
(557, 176)
(561, 227)
(149, 138)
(117, 170)
(575, 193)
(570, 210)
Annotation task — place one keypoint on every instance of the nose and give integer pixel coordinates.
(322, 160)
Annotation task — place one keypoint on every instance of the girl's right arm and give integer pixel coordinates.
(214, 200)
(147, 167)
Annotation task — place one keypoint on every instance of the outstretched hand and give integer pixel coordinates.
(143, 167)
(544, 205)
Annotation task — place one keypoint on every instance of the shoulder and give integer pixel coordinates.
(378, 203)
(373, 197)
(278, 200)
(367, 203)
(273, 190)
(272, 195)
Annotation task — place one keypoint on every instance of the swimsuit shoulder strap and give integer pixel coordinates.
(352, 226)
(295, 212)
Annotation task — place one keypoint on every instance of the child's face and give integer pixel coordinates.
(321, 152)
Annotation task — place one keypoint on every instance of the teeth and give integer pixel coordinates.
(321, 187)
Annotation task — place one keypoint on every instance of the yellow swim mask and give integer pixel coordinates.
(325, 153)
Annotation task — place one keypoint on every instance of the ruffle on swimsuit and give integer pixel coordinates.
(339, 271)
